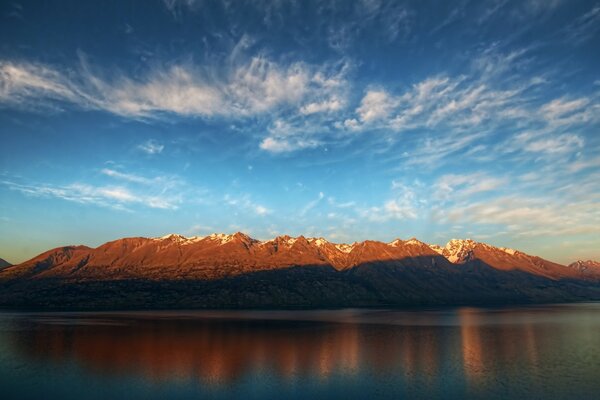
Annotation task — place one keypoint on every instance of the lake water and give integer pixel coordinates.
(537, 352)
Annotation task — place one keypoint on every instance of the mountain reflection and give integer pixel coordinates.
(466, 346)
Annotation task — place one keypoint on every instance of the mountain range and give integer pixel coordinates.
(237, 271)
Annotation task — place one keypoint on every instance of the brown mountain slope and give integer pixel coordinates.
(238, 271)
(219, 255)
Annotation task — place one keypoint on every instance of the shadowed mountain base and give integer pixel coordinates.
(376, 284)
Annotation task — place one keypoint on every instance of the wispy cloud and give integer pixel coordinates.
(254, 87)
(117, 197)
(584, 27)
(285, 136)
(122, 191)
(151, 147)
(245, 204)
(403, 205)
(529, 216)
(312, 204)
(456, 187)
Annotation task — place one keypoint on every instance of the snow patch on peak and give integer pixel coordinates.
(284, 240)
(409, 242)
(507, 250)
(318, 241)
(454, 243)
(438, 249)
(395, 243)
(344, 248)
(171, 236)
(222, 237)
(174, 237)
(459, 250)
(180, 239)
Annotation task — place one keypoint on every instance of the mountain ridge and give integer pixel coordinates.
(284, 251)
(234, 270)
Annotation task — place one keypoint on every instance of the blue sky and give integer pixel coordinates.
(347, 120)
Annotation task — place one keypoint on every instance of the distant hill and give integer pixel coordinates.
(4, 263)
(236, 270)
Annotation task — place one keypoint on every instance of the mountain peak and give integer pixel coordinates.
(585, 265)
(220, 254)
(459, 251)
(318, 241)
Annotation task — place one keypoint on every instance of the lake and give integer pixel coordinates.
(545, 352)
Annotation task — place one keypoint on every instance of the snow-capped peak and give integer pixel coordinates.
(318, 241)
(459, 250)
(409, 242)
(173, 237)
(180, 239)
(507, 250)
(221, 237)
(454, 243)
(345, 248)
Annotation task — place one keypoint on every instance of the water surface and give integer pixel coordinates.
(546, 352)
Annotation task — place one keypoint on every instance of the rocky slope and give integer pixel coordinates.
(588, 267)
(238, 271)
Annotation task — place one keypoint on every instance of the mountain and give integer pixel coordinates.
(4, 263)
(586, 267)
(236, 270)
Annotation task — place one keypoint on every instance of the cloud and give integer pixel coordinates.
(456, 186)
(293, 100)
(403, 206)
(34, 83)
(122, 191)
(151, 147)
(312, 204)
(583, 164)
(333, 104)
(291, 135)
(432, 150)
(247, 89)
(439, 101)
(564, 112)
(376, 104)
(583, 28)
(555, 144)
(245, 203)
(261, 210)
(284, 145)
(117, 197)
(178, 7)
(161, 182)
(529, 216)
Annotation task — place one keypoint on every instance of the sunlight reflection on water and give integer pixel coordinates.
(548, 351)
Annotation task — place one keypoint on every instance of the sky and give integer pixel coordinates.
(348, 120)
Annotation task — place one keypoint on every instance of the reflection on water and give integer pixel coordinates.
(550, 352)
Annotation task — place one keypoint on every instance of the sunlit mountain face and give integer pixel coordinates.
(238, 272)
(335, 119)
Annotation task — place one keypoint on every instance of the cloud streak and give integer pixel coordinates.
(114, 196)
(255, 87)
